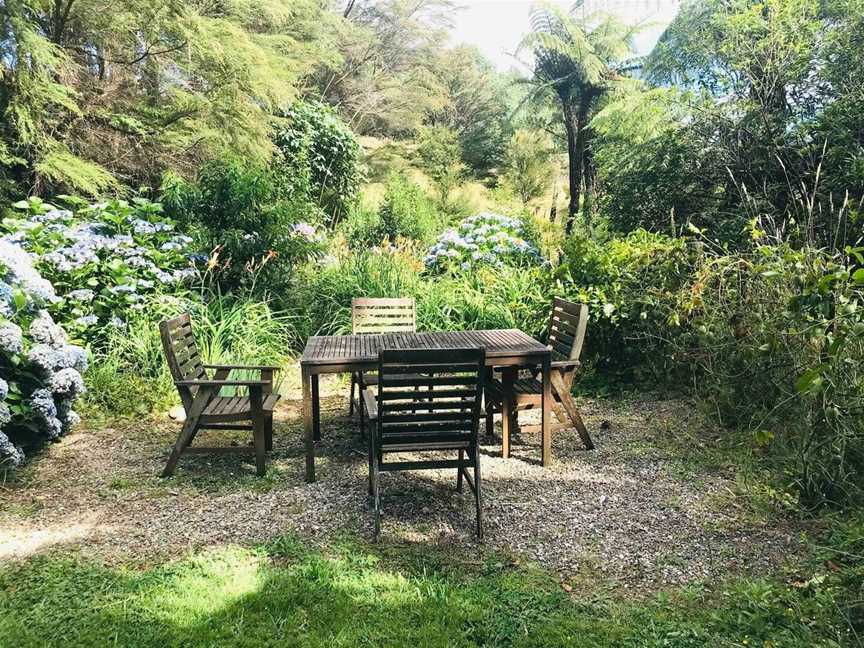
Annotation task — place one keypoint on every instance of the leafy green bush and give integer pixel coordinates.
(441, 156)
(405, 212)
(316, 145)
(777, 335)
(254, 222)
(630, 285)
(485, 239)
(490, 298)
(103, 259)
(227, 330)
(40, 372)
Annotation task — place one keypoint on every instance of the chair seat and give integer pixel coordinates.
(526, 390)
(237, 407)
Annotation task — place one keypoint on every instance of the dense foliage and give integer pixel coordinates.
(103, 259)
(763, 119)
(318, 150)
(246, 218)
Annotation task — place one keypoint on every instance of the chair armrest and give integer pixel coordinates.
(565, 364)
(222, 383)
(371, 404)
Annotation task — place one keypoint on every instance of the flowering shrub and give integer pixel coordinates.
(260, 224)
(485, 239)
(40, 372)
(101, 259)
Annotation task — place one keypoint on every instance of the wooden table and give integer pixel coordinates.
(509, 348)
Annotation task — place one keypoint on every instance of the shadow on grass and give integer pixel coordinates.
(354, 594)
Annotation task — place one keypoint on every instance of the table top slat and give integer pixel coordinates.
(362, 349)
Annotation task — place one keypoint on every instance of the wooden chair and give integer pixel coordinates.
(565, 336)
(371, 315)
(205, 408)
(426, 400)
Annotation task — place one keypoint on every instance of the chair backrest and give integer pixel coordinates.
(567, 325)
(429, 399)
(181, 353)
(383, 315)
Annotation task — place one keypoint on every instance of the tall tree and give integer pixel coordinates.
(95, 94)
(385, 82)
(578, 60)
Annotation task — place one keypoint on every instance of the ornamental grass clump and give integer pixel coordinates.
(40, 371)
(485, 239)
(102, 259)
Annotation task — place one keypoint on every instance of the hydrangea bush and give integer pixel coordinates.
(102, 259)
(40, 371)
(485, 239)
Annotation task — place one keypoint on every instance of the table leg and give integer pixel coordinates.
(545, 413)
(307, 424)
(316, 408)
(508, 377)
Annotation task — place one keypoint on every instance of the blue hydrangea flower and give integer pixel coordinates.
(20, 272)
(11, 338)
(43, 357)
(67, 382)
(5, 414)
(4, 390)
(44, 330)
(10, 455)
(81, 295)
(87, 320)
(42, 404)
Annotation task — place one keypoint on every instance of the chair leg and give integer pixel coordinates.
(183, 440)
(376, 497)
(268, 428)
(371, 450)
(477, 498)
(260, 447)
(460, 469)
(490, 422)
(351, 397)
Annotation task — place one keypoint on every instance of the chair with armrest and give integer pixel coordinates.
(205, 407)
(565, 336)
(426, 401)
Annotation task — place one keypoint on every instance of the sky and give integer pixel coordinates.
(497, 26)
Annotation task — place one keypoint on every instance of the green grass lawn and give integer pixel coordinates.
(357, 594)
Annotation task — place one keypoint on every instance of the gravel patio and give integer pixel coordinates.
(635, 513)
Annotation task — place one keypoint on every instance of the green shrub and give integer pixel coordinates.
(405, 212)
(777, 336)
(316, 145)
(254, 222)
(630, 285)
(103, 259)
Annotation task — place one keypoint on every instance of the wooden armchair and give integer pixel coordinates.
(205, 408)
(511, 394)
(426, 401)
(375, 315)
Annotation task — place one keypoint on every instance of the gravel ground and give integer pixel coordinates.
(634, 513)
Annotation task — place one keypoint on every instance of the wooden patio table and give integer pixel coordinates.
(506, 348)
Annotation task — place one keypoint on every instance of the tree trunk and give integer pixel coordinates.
(571, 125)
(588, 179)
(583, 181)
